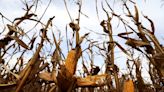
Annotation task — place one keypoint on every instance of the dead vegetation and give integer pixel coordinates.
(58, 74)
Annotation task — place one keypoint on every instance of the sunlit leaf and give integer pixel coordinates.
(46, 76)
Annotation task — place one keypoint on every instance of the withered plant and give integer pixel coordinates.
(49, 70)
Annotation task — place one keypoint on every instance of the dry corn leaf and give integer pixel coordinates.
(7, 85)
(123, 49)
(55, 58)
(34, 70)
(27, 70)
(152, 24)
(136, 43)
(158, 48)
(54, 76)
(2, 44)
(96, 80)
(2, 61)
(85, 68)
(16, 75)
(15, 29)
(43, 66)
(124, 33)
(82, 38)
(136, 14)
(6, 40)
(74, 26)
(104, 25)
(32, 42)
(129, 15)
(20, 42)
(46, 76)
(159, 59)
(85, 82)
(49, 22)
(27, 16)
(128, 86)
(12, 28)
(57, 44)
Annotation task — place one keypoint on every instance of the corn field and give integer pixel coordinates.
(44, 65)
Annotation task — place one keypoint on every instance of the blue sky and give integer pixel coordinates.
(13, 8)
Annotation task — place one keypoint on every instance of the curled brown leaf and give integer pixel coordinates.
(20, 42)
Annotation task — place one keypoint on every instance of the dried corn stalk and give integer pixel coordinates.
(65, 79)
(71, 61)
(128, 86)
